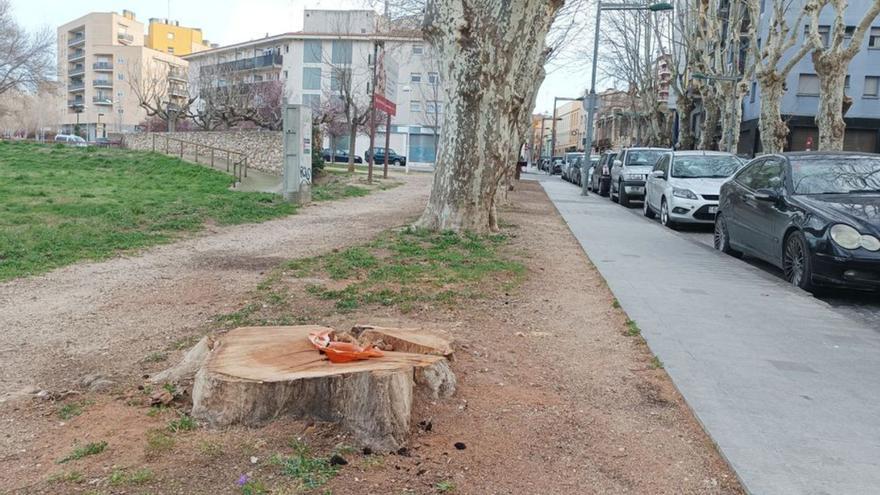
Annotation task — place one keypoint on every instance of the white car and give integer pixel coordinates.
(71, 140)
(684, 186)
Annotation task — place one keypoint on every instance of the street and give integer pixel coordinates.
(784, 383)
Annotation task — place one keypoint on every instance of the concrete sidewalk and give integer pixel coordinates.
(788, 388)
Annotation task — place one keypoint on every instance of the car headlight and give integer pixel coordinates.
(683, 193)
(634, 176)
(850, 238)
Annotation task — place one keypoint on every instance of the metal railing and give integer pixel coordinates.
(74, 86)
(76, 71)
(258, 62)
(236, 161)
(102, 66)
(102, 100)
(125, 37)
(75, 103)
(76, 40)
(75, 55)
(102, 83)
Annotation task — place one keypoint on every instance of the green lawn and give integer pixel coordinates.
(59, 205)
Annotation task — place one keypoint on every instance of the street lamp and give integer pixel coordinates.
(654, 7)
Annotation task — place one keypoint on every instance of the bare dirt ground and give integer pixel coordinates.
(554, 397)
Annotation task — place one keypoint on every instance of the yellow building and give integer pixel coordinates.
(170, 37)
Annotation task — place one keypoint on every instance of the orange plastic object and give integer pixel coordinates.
(341, 352)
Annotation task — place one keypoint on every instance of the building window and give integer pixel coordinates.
(120, 61)
(824, 33)
(808, 85)
(120, 94)
(874, 38)
(417, 49)
(752, 92)
(285, 74)
(286, 48)
(170, 49)
(341, 52)
(846, 82)
(434, 107)
(872, 85)
(433, 78)
(848, 33)
(415, 106)
(120, 76)
(170, 35)
(415, 77)
(312, 101)
(311, 78)
(312, 51)
(338, 78)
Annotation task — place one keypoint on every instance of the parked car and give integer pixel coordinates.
(629, 172)
(569, 162)
(71, 140)
(600, 182)
(340, 156)
(684, 186)
(591, 166)
(393, 157)
(815, 215)
(555, 166)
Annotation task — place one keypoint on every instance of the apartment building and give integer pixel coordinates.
(570, 128)
(613, 120)
(333, 52)
(800, 101)
(169, 36)
(100, 57)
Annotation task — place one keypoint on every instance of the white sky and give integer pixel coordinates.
(232, 21)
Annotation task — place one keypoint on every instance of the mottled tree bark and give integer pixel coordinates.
(774, 130)
(491, 59)
(712, 113)
(685, 107)
(732, 116)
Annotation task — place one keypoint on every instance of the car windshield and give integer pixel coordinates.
(706, 166)
(643, 158)
(836, 175)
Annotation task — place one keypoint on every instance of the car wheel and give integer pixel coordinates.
(622, 196)
(647, 208)
(664, 215)
(796, 261)
(396, 163)
(721, 237)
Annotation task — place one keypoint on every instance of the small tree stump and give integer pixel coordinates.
(256, 374)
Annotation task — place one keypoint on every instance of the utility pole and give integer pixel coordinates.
(373, 117)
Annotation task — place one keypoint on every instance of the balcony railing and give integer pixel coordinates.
(75, 103)
(177, 74)
(75, 40)
(76, 71)
(76, 86)
(102, 66)
(259, 62)
(76, 55)
(102, 100)
(125, 38)
(102, 83)
(175, 91)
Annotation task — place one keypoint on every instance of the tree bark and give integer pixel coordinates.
(491, 57)
(731, 122)
(352, 137)
(712, 114)
(774, 130)
(685, 107)
(829, 117)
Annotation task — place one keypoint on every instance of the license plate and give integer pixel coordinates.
(638, 190)
(713, 210)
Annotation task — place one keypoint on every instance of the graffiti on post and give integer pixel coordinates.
(305, 175)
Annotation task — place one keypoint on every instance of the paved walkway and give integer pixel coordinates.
(788, 388)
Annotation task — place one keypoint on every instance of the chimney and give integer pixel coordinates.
(128, 14)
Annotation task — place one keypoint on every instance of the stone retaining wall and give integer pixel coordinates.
(264, 149)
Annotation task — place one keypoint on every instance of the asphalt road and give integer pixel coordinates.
(861, 306)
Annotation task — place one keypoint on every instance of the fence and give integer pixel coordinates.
(237, 167)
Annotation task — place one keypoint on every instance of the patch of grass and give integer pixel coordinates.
(656, 363)
(62, 205)
(254, 487)
(632, 328)
(156, 357)
(210, 449)
(72, 409)
(86, 450)
(156, 410)
(122, 477)
(184, 343)
(68, 477)
(615, 304)
(445, 486)
(184, 423)
(310, 471)
(158, 442)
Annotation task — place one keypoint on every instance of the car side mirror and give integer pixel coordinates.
(768, 195)
(617, 163)
(659, 174)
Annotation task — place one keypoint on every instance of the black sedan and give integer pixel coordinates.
(339, 156)
(815, 215)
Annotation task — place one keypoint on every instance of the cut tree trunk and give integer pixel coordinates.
(491, 60)
(256, 374)
(404, 340)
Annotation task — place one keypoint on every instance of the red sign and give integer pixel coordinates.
(385, 105)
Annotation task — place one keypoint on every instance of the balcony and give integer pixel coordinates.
(75, 103)
(76, 71)
(103, 66)
(76, 86)
(76, 39)
(103, 83)
(76, 55)
(261, 62)
(125, 38)
(102, 100)
(177, 74)
(178, 91)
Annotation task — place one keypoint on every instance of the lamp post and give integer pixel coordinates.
(591, 97)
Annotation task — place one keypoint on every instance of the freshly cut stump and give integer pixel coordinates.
(404, 339)
(256, 374)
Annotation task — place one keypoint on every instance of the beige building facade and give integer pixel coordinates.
(102, 67)
(570, 128)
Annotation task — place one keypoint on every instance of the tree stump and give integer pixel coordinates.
(256, 374)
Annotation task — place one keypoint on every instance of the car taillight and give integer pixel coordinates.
(605, 170)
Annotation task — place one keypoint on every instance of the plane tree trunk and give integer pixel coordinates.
(491, 61)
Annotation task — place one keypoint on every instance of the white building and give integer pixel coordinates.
(337, 46)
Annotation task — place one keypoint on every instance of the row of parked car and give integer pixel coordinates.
(814, 215)
(341, 156)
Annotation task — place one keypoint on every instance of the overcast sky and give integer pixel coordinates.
(232, 21)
